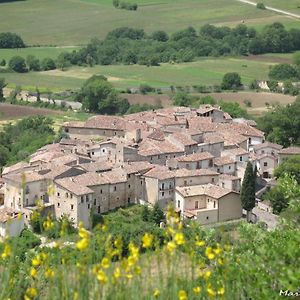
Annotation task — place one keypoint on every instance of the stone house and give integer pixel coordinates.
(208, 203)
(201, 160)
(267, 148)
(224, 165)
(286, 153)
(230, 182)
(266, 163)
(11, 222)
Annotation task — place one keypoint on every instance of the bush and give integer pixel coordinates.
(231, 81)
(144, 89)
(3, 63)
(48, 64)
(283, 72)
(260, 5)
(17, 64)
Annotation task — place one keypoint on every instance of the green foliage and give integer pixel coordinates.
(248, 188)
(135, 108)
(286, 189)
(260, 5)
(2, 86)
(130, 46)
(289, 166)
(234, 109)
(25, 137)
(33, 63)
(254, 85)
(231, 81)
(17, 64)
(296, 58)
(145, 88)
(182, 99)
(157, 214)
(290, 88)
(48, 64)
(283, 72)
(62, 61)
(116, 3)
(3, 62)
(281, 124)
(10, 40)
(98, 95)
(128, 6)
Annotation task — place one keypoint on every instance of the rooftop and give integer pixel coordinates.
(290, 150)
(195, 157)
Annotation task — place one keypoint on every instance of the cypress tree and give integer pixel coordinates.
(248, 190)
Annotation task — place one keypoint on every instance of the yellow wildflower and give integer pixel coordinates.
(83, 233)
(19, 216)
(33, 272)
(105, 263)
(129, 275)
(31, 292)
(171, 246)
(221, 291)
(6, 251)
(210, 292)
(133, 250)
(117, 273)
(36, 261)
(220, 261)
(179, 238)
(101, 276)
(209, 253)
(49, 273)
(75, 296)
(217, 250)
(210, 256)
(197, 290)
(131, 260)
(156, 293)
(82, 244)
(182, 295)
(137, 270)
(199, 243)
(207, 274)
(147, 240)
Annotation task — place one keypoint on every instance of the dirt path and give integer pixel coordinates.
(284, 12)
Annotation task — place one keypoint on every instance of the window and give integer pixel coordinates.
(58, 204)
(187, 166)
(158, 156)
(185, 183)
(262, 151)
(71, 196)
(87, 198)
(214, 204)
(223, 184)
(196, 204)
(129, 186)
(99, 209)
(93, 153)
(163, 186)
(178, 203)
(94, 201)
(150, 157)
(265, 164)
(66, 129)
(115, 188)
(163, 194)
(128, 175)
(89, 206)
(115, 133)
(229, 167)
(72, 206)
(58, 194)
(207, 218)
(241, 158)
(67, 195)
(81, 199)
(100, 191)
(128, 200)
(103, 150)
(212, 180)
(141, 182)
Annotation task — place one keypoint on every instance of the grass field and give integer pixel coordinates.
(39, 52)
(288, 5)
(75, 22)
(208, 71)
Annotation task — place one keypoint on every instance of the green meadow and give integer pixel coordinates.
(75, 22)
(208, 71)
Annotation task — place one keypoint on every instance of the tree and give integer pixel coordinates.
(248, 190)
(38, 95)
(283, 72)
(48, 64)
(182, 99)
(286, 189)
(17, 64)
(157, 214)
(4, 155)
(33, 63)
(3, 62)
(160, 36)
(290, 166)
(260, 5)
(2, 86)
(11, 40)
(145, 213)
(231, 81)
(116, 3)
(62, 62)
(296, 58)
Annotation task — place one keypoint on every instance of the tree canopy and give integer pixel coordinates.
(231, 81)
(248, 188)
(283, 72)
(11, 40)
(290, 166)
(98, 95)
(282, 124)
(18, 64)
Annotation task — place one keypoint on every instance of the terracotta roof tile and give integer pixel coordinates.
(195, 157)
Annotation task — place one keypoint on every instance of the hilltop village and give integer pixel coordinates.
(192, 159)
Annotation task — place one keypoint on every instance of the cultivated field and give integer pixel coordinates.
(208, 71)
(75, 22)
(10, 112)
